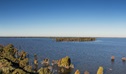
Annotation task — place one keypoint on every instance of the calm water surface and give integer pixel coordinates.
(84, 55)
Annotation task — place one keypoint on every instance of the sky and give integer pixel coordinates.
(79, 18)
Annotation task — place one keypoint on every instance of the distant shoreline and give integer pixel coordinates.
(53, 37)
(60, 39)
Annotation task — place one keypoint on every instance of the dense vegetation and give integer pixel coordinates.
(80, 39)
(14, 62)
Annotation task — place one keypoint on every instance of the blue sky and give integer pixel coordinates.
(85, 18)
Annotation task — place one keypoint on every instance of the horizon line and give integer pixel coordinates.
(56, 36)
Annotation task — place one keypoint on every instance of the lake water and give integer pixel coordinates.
(84, 55)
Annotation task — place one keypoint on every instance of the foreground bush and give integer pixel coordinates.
(5, 67)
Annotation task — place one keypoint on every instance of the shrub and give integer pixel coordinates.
(77, 72)
(100, 70)
(1, 48)
(28, 68)
(23, 63)
(18, 71)
(65, 61)
(44, 71)
(10, 49)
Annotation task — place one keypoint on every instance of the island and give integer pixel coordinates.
(79, 39)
